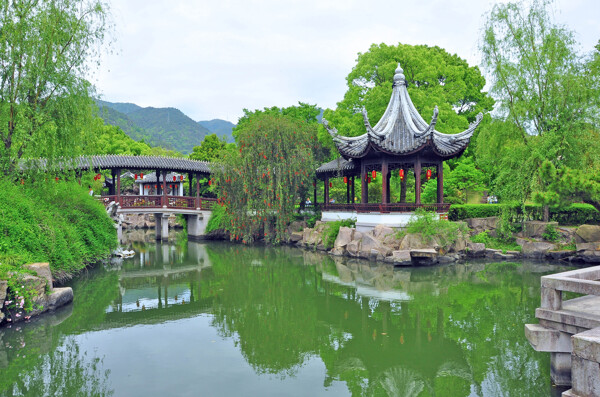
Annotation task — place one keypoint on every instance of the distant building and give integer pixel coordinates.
(149, 186)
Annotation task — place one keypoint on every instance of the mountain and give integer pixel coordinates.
(166, 127)
(220, 127)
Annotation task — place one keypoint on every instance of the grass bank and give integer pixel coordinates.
(52, 222)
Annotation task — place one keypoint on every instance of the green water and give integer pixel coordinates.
(216, 319)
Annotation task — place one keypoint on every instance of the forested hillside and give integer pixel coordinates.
(166, 127)
(222, 128)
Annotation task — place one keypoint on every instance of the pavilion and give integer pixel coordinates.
(402, 140)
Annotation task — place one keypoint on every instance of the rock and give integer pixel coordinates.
(401, 258)
(507, 256)
(369, 244)
(475, 250)
(337, 251)
(559, 255)
(423, 253)
(353, 248)
(490, 253)
(588, 246)
(3, 289)
(481, 224)
(42, 270)
(381, 231)
(536, 249)
(459, 245)
(296, 236)
(587, 234)
(296, 226)
(312, 237)
(415, 241)
(589, 256)
(443, 259)
(535, 229)
(34, 282)
(59, 297)
(345, 235)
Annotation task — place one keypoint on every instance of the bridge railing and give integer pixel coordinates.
(179, 202)
(206, 204)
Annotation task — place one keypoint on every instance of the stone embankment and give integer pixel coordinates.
(387, 245)
(46, 296)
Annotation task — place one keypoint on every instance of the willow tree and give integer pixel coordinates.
(46, 51)
(547, 95)
(261, 183)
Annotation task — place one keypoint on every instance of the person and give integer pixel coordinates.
(91, 192)
(308, 202)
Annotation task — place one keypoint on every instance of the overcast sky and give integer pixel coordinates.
(211, 59)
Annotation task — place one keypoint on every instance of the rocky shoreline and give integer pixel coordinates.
(46, 296)
(385, 244)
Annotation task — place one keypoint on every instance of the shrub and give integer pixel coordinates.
(495, 242)
(332, 229)
(429, 226)
(550, 234)
(217, 219)
(574, 214)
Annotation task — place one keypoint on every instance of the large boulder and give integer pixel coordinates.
(475, 250)
(400, 258)
(370, 244)
(3, 289)
(380, 232)
(413, 241)
(535, 229)
(535, 249)
(587, 234)
(42, 270)
(353, 248)
(345, 235)
(481, 224)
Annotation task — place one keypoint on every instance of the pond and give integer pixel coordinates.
(188, 319)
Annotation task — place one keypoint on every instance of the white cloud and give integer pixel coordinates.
(211, 59)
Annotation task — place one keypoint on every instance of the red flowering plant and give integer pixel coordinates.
(261, 182)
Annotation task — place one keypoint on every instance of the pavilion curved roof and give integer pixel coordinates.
(110, 161)
(402, 130)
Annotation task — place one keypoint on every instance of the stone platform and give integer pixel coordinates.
(570, 330)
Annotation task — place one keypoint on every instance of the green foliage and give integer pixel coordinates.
(459, 212)
(211, 148)
(222, 128)
(53, 222)
(112, 140)
(46, 49)
(19, 295)
(550, 234)
(332, 230)
(574, 214)
(261, 183)
(430, 226)
(217, 219)
(496, 242)
(548, 101)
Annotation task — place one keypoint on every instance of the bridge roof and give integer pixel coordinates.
(110, 161)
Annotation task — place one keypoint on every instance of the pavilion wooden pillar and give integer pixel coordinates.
(315, 192)
(118, 192)
(198, 204)
(347, 190)
(158, 187)
(164, 188)
(418, 181)
(440, 182)
(326, 192)
(385, 186)
(111, 190)
(190, 181)
(353, 194)
(364, 187)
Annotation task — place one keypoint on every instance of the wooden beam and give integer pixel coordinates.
(418, 181)
(440, 182)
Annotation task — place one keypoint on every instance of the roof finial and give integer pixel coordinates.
(399, 76)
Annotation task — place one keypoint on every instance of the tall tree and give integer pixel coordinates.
(46, 51)
(210, 149)
(548, 101)
(434, 77)
(262, 182)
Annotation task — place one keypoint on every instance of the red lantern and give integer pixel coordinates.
(345, 179)
(136, 177)
(170, 186)
(374, 174)
(330, 184)
(174, 178)
(401, 173)
(142, 175)
(156, 186)
(210, 182)
(368, 180)
(181, 177)
(98, 176)
(428, 174)
(56, 179)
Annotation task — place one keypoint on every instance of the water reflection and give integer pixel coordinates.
(374, 330)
